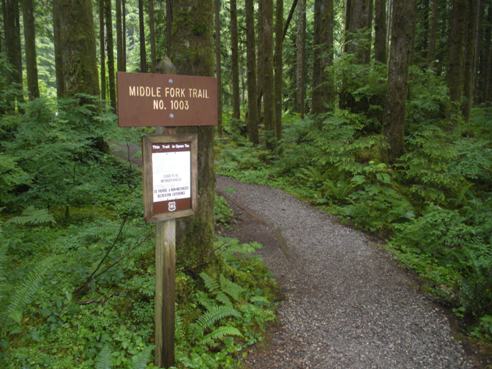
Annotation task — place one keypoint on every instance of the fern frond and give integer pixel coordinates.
(217, 313)
(204, 300)
(141, 359)
(33, 216)
(232, 289)
(260, 300)
(220, 333)
(210, 282)
(222, 297)
(103, 359)
(24, 293)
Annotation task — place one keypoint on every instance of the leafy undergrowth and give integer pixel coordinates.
(77, 260)
(433, 206)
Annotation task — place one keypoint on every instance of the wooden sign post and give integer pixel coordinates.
(170, 172)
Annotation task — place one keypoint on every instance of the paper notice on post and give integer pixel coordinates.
(171, 172)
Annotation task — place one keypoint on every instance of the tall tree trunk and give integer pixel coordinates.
(380, 34)
(301, 57)
(141, 27)
(30, 47)
(267, 46)
(218, 65)
(110, 53)
(289, 18)
(358, 21)
(457, 50)
(12, 47)
(119, 36)
(102, 53)
(153, 55)
(278, 65)
(433, 33)
(323, 86)
(169, 26)
(471, 44)
(78, 47)
(251, 62)
(60, 83)
(403, 28)
(193, 52)
(485, 48)
(260, 67)
(123, 31)
(236, 104)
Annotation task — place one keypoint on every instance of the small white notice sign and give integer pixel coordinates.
(171, 171)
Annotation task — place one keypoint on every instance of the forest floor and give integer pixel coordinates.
(345, 302)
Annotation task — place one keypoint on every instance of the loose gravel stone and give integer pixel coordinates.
(347, 304)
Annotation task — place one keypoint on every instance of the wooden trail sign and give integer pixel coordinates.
(151, 99)
(170, 172)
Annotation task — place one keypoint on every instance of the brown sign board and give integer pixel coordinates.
(152, 99)
(170, 176)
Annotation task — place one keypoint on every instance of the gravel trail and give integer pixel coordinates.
(346, 303)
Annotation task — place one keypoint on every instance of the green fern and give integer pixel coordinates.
(103, 359)
(210, 283)
(24, 293)
(232, 289)
(140, 360)
(33, 216)
(219, 334)
(215, 314)
(222, 297)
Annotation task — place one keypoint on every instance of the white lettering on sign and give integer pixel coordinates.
(171, 174)
(145, 91)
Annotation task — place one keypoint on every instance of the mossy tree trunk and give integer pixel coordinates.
(123, 30)
(236, 104)
(110, 52)
(218, 64)
(153, 51)
(471, 44)
(358, 22)
(301, 57)
(380, 31)
(193, 53)
(12, 48)
(323, 84)
(141, 27)
(30, 48)
(251, 66)
(77, 47)
(102, 52)
(119, 36)
(278, 65)
(432, 38)
(267, 46)
(403, 28)
(456, 46)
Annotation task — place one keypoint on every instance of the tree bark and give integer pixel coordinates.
(78, 47)
(403, 29)
(119, 36)
(471, 45)
(141, 27)
(12, 48)
(358, 21)
(218, 65)
(251, 65)
(268, 93)
(301, 57)
(380, 31)
(30, 47)
(236, 103)
(60, 84)
(456, 51)
(278, 65)
(289, 18)
(153, 55)
(260, 67)
(110, 53)
(102, 53)
(123, 20)
(323, 86)
(194, 54)
(433, 33)
(169, 26)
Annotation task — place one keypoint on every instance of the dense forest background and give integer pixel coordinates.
(377, 111)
